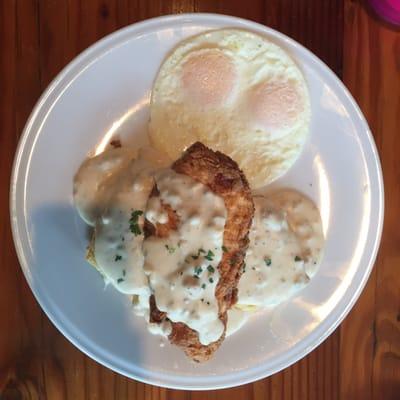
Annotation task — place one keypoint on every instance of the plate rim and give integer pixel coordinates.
(80, 63)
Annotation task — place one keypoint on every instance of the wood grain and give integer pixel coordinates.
(370, 336)
(359, 360)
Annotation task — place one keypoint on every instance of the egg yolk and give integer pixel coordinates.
(276, 105)
(208, 77)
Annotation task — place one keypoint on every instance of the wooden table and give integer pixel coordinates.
(361, 359)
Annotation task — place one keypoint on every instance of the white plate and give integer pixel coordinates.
(105, 91)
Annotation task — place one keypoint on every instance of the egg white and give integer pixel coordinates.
(236, 92)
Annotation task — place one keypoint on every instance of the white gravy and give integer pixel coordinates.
(141, 307)
(286, 242)
(111, 192)
(119, 229)
(182, 268)
(92, 177)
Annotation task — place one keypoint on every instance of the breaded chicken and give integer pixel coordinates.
(223, 176)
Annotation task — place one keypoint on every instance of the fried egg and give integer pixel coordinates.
(236, 92)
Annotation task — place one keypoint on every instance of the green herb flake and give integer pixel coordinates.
(198, 270)
(211, 269)
(135, 229)
(136, 214)
(119, 280)
(209, 255)
(117, 257)
(196, 276)
(297, 259)
(224, 249)
(123, 272)
(211, 280)
(134, 222)
(203, 286)
(267, 261)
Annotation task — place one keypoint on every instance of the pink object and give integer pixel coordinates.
(389, 10)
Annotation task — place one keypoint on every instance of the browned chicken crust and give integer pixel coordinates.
(223, 176)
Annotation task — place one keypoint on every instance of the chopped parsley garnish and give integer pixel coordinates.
(117, 257)
(297, 258)
(211, 280)
(170, 249)
(123, 272)
(267, 261)
(196, 276)
(134, 222)
(135, 229)
(211, 269)
(198, 270)
(203, 286)
(224, 249)
(244, 267)
(136, 214)
(119, 280)
(209, 255)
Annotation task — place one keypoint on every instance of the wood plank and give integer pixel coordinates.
(143, 9)
(370, 339)
(362, 360)
(19, 69)
(318, 25)
(9, 305)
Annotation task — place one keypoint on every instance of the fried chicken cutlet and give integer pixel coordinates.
(223, 177)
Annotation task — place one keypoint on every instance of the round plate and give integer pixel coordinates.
(105, 92)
